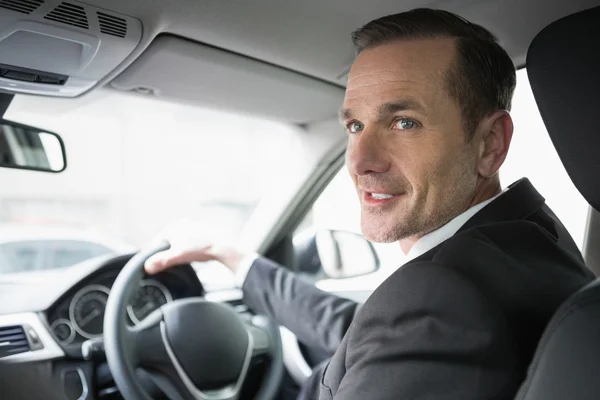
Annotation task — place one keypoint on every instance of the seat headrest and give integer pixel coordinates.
(563, 65)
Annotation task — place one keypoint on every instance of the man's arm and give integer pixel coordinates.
(429, 333)
(316, 317)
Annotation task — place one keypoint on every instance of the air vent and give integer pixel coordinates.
(30, 75)
(13, 341)
(22, 6)
(111, 25)
(69, 14)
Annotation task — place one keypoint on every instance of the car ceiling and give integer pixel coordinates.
(278, 59)
(313, 36)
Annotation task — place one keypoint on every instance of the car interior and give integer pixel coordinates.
(285, 61)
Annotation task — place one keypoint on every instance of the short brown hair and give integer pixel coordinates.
(483, 78)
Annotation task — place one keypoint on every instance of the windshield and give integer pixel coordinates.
(140, 169)
(137, 168)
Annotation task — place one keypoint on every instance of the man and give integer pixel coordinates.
(427, 113)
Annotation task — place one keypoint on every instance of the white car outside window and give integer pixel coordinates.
(26, 248)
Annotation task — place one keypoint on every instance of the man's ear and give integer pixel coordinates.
(495, 133)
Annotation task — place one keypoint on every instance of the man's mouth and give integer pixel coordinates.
(381, 196)
(378, 198)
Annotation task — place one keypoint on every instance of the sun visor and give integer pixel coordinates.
(178, 69)
(59, 48)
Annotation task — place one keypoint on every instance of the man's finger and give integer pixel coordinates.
(168, 258)
(161, 261)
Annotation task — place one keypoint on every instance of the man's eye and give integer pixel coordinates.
(355, 127)
(405, 123)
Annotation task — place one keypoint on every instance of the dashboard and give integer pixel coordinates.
(47, 316)
(57, 311)
(79, 314)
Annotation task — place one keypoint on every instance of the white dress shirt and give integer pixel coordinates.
(421, 246)
(445, 232)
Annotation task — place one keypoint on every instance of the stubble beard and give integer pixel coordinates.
(415, 220)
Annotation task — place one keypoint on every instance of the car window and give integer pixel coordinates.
(20, 257)
(531, 155)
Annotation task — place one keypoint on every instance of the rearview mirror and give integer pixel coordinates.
(26, 147)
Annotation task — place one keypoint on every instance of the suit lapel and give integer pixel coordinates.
(519, 201)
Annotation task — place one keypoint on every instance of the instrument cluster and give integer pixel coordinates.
(79, 315)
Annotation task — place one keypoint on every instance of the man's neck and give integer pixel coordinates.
(485, 191)
(408, 243)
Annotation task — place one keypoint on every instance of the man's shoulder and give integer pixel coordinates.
(424, 306)
(540, 235)
(442, 273)
(475, 251)
(502, 265)
(513, 250)
(422, 285)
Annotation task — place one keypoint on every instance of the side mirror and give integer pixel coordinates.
(26, 147)
(346, 254)
(334, 254)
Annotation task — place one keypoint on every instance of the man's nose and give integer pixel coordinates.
(367, 153)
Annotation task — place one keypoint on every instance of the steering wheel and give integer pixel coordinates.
(191, 348)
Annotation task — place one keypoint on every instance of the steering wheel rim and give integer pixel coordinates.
(123, 345)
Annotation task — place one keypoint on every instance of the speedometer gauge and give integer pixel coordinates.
(150, 296)
(87, 310)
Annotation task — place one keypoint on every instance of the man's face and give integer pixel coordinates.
(408, 154)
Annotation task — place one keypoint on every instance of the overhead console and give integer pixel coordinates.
(182, 70)
(61, 48)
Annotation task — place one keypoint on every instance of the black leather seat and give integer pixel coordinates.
(563, 65)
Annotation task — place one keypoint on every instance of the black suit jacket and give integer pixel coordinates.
(459, 322)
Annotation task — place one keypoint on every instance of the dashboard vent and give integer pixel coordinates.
(13, 341)
(22, 6)
(69, 14)
(111, 25)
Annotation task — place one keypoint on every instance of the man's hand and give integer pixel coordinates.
(182, 254)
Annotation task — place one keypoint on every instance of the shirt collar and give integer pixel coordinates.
(445, 232)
